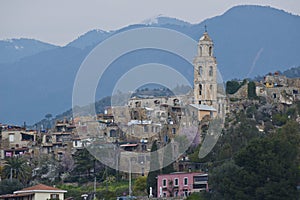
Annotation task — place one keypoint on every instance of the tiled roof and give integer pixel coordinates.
(40, 187)
(12, 196)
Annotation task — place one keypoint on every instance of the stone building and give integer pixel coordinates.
(16, 141)
(278, 88)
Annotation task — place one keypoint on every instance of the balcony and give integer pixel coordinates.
(200, 186)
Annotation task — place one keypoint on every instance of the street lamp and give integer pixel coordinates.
(142, 163)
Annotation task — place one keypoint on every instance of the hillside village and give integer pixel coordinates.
(175, 125)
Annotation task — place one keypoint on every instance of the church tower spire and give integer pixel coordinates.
(205, 73)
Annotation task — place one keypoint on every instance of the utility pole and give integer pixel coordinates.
(130, 191)
(95, 179)
(106, 186)
(95, 188)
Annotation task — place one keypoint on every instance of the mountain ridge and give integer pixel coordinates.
(12, 50)
(249, 41)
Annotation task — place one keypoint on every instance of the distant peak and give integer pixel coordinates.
(250, 8)
(100, 31)
(152, 20)
(162, 20)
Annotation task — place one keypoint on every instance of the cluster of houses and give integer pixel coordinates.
(134, 127)
(18, 141)
(279, 89)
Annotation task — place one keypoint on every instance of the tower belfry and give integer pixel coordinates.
(205, 73)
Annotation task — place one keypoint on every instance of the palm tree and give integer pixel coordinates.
(17, 168)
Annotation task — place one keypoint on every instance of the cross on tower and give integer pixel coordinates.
(205, 28)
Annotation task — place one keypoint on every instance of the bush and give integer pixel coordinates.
(8, 186)
(252, 90)
(232, 87)
(198, 196)
(279, 119)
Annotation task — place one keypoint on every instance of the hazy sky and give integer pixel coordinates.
(61, 21)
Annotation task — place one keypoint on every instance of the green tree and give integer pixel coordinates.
(84, 162)
(291, 112)
(140, 186)
(279, 119)
(224, 181)
(198, 196)
(232, 87)
(48, 116)
(251, 111)
(269, 168)
(290, 132)
(17, 168)
(252, 90)
(264, 169)
(9, 186)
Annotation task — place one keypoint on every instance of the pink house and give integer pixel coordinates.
(181, 184)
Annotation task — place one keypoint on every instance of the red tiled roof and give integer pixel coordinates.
(16, 195)
(40, 187)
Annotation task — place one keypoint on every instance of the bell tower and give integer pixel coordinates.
(205, 73)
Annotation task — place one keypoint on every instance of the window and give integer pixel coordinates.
(176, 102)
(146, 129)
(210, 51)
(11, 137)
(176, 182)
(200, 89)
(135, 115)
(200, 178)
(174, 130)
(211, 87)
(200, 51)
(185, 192)
(210, 71)
(54, 196)
(176, 193)
(200, 72)
(137, 104)
(185, 181)
(164, 182)
(113, 133)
